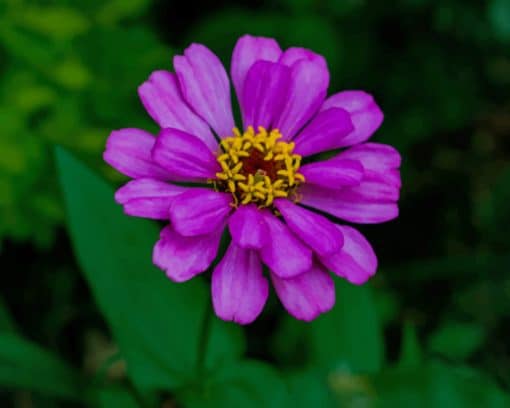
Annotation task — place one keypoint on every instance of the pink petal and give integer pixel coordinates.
(129, 151)
(380, 162)
(356, 261)
(308, 295)
(284, 254)
(148, 198)
(247, 51)
(184, 156)
(199, 211)
(264, 93)
(205, 86)
(313, 229)
(248, 228)
(348, 205)
(181, 257)
(161, 97)
(327, 131)
(310, 80)
(334, 174)
(365, 114)
(239, 290)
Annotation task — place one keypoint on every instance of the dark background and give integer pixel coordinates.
(440, 70)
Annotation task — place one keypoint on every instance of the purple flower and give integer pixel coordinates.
(258, 181)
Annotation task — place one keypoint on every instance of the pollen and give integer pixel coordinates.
(257, 167)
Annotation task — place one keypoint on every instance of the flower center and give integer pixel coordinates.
(258, 167)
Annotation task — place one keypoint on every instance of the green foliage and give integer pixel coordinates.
(457, 340)
(25, 365)
(69, 74)
(349, 336)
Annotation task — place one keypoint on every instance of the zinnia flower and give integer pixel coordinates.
(258, 183)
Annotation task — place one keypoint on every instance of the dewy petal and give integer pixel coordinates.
(247, 51)
(181, 257)
(199, 211)
(380, 161)
(148, 198)
(308, 295)
(184, 156)
(284, 254)
(161, 97)
(264, 93)
(248, 228)
(205, 86)
(356, 261)
(313, 229)
(348, 204)
(129, 151)
(239, 290)
(327, 131)
(334, 174)
(365, 114)
(309, 84)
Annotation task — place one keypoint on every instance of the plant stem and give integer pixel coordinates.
(204, 339)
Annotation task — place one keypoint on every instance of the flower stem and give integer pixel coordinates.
(203, 340)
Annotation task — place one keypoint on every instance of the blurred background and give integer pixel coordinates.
(436, 316)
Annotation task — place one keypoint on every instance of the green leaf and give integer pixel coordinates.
(116, 397)
(56, 22)
(310, 389)
(247, 384)
(410, 354)
(350, 333)
(155, 321)
(437, 385)
(25, 365)
(6, 321)
(499, 16)
(457, 340)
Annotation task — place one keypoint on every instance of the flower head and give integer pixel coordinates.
(258, 181)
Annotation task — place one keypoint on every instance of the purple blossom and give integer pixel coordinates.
(204, 176)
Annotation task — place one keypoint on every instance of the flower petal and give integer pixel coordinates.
(310, 80)
(365, 114)
(308, 295)
(327, 131)
(129, 151)
(284, 254)
(334, 174)
(161, 97)
(248, 228)
(239, 290)
(199, 211)
(247, 51)
(348, 204)
(205, 86)
(184, 156)
(181, 257)
(264, 93)
(148, 198)
(313, 229)
(356, 261)
(380, 162)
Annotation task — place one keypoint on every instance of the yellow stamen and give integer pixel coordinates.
(258, 167)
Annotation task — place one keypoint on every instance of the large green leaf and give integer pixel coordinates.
(349, 334)
(25, 365)
(156, 322)
(247, 384)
